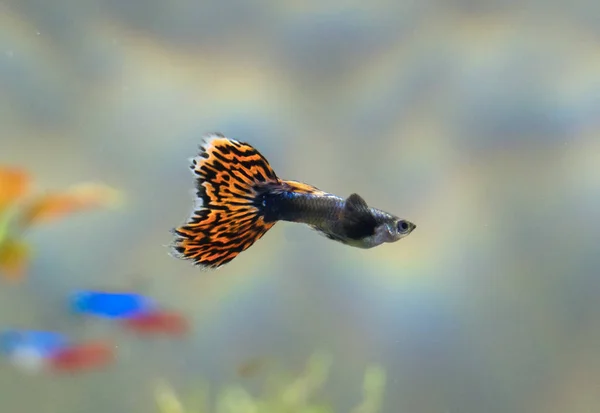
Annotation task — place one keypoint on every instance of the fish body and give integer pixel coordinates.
(104, 304)
(349, 221)
(239, 198)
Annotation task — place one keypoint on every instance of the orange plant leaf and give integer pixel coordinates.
(14, 184)
(14, 259)
(78, 198)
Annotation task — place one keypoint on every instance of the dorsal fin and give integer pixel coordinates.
(358, 221)
(355, 204)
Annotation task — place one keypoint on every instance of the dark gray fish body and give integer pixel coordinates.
(350, 221)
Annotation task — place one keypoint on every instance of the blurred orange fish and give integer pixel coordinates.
(17, 216)
(76, 199)
(14, 184)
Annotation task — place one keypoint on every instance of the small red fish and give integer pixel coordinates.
(157, 322)
(86, 356)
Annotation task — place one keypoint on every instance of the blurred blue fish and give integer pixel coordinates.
(45, 343)
(118, 305)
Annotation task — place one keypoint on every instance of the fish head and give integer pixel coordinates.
(393, 229)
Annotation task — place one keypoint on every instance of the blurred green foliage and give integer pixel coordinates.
(282, 394)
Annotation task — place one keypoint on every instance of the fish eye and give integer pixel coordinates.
(403, 226)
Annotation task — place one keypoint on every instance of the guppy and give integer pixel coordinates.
(239, 198)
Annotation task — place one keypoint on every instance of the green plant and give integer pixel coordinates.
(283, 395)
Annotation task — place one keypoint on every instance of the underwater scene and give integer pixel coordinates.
(299, 207)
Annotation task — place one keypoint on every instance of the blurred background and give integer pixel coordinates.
(478, 121)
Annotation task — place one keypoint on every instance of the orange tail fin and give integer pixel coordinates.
(226, 219)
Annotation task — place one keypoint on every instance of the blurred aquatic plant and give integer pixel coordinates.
(19, 212)
(373, 386)
(285, 394)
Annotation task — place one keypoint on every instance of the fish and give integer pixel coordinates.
(29, 350)
(20, 210)
(43, 342)
(239, 197)
(158, 322)
(33, 350)
(82, 356)
(111, 305)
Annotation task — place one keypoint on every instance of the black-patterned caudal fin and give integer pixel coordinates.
(227, 218)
